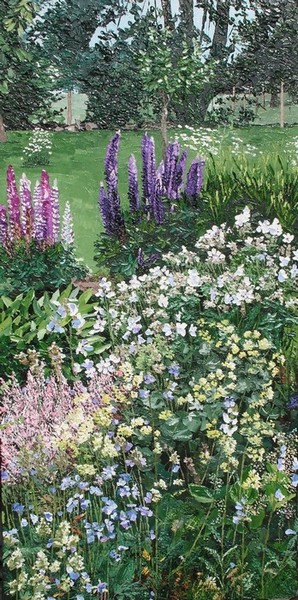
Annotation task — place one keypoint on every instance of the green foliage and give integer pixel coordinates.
(23, 329)
(179, 229)
(38, 269)
(15, 16)
(269, 185)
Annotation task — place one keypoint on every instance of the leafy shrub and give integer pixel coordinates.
(33, 253)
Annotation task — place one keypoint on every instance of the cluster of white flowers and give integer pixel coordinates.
(228, 268)
(39, 148)
(292, 151)
(204, 140)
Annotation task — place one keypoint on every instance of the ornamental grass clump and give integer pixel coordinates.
(33, 246)
(162, 208)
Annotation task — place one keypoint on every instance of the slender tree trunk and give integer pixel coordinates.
(3, 135)
(219, 43)
(274, 100)
(186, 16)
(69, 108)
(164, 123)
(233, 99)
(167, 14)
(221, 30)
(203, 101)
(263, 98)
(282, 105)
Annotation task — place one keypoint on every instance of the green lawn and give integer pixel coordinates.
(78, 159)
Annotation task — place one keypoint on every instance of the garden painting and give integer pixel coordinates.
(148, 299)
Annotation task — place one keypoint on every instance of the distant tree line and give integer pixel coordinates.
(106, 48)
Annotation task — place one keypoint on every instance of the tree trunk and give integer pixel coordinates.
(233, 99)
(220, 36)
(274, 100)
(3, 135)
(203, 101)
(186, 16)
(167, 14)
(164, 124)
(69, 109)
(282, 105)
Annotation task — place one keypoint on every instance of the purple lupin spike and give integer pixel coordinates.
(13, 202)
(4, 233)
(149, 170)
(47, 208)
(54, 199)
(192, 181)
(27, 212)
(38, 212)
(111, 164)
(133, 189)
(157, 206)
(105, 211)
(145, 176)
(116, 220)
(179, 176)
(172, 156)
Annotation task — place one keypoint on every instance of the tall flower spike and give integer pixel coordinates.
(111, 163)
(54, 199)
(172, 156)
(157, 206)
(191, 187)
(27, 212)
(151, 174)
(179, 176)
(133, 189)
(67, 234)
(149, 170)
(115, 220)
(47, 208)
(105, 211)
(4, 233)
(145, 142)
(38, 212)
(13, 202)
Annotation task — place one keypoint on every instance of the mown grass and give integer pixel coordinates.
(78, 164)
